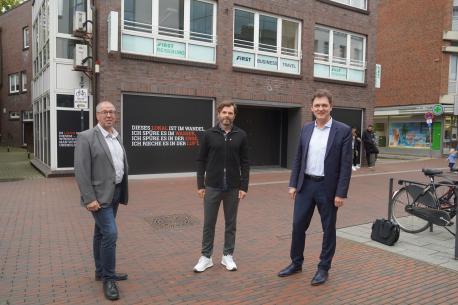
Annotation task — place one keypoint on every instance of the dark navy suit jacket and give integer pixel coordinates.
(337, 162)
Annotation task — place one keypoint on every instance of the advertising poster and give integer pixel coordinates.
(68, 127)
(161, 134)
(409, 134)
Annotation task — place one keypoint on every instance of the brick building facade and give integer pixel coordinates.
(167, 64)
(278, 94)
(416, 49)
(16, 122)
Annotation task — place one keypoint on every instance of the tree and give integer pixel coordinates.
(8, 4)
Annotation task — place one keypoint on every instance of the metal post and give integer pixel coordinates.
(430, 141)
(82, 120)
(390, 197)
(456, 225)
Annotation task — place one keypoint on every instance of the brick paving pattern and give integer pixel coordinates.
(46, 241)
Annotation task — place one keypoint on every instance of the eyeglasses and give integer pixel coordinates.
(105, 113)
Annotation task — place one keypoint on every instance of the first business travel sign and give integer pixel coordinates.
(263, 62)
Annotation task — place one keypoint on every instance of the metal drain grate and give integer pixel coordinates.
(174, 221)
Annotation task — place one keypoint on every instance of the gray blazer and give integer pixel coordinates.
(94, 169)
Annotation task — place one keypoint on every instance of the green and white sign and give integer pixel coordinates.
(267, 63)
(243, 59)
(289, 66)
(338, 73)
(438, 109)
(170, 49)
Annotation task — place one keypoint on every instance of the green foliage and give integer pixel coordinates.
(8, 4)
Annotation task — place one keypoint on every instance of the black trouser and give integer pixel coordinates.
(355, 157)
(314, 193)
(212, 201)
(371, 158)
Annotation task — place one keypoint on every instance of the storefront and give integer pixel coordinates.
(404, 131)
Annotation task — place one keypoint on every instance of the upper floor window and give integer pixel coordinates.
(339, 55)
(66, 10)
(361, 4)
(181, 29)
(25, 37)
(24, 81)
(452, 74)
(266, 42)
(14, 83)
(455, 18)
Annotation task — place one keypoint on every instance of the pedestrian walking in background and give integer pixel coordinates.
(370, 146)
(356, 146)
(451, 159)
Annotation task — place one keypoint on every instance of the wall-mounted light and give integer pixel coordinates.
(97, 66)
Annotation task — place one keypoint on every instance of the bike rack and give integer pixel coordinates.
(390, 196)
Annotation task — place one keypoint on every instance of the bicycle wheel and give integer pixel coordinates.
(403, 199)
(446, 197)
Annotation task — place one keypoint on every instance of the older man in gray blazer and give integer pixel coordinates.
(101, 173)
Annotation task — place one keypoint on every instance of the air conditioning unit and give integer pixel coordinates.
(79, 18)
(80, 55)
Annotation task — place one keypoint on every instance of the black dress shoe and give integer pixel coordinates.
(118, 277)
(320, 277)
(110, 290)
(291, 269)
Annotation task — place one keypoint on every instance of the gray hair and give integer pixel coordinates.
(99, 105)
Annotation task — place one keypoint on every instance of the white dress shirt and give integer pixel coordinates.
(317, 150)
(117, 154)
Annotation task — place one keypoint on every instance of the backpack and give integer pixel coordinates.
(385, 231)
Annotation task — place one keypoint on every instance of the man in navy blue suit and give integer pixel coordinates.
(320, 177)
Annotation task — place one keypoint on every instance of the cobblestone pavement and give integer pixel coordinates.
(45, 247)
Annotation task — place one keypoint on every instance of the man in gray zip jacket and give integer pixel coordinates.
(101, 173)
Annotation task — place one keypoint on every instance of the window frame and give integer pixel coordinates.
(279, 54)
(350, 4)
(332, 61)
(24, 84)
(17, 84)
(25, 40)
(155, 35)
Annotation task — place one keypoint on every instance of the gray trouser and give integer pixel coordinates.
(212, 201)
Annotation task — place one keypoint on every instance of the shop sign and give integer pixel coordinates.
(339, 73)
(438, 109)
(243, 59)
(170, 49)
(267, 63)
(289, 66)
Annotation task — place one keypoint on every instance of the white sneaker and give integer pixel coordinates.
(228, 261)
(353, 168)
(203, 263)
(358, 166)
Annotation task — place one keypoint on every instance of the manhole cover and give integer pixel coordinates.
(174, 221)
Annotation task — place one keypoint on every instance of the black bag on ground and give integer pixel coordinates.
(384, 231)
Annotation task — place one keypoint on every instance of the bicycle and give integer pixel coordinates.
(416, 206)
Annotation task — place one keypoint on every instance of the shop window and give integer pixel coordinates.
(179, 29)
(339, 55)
(266, 42)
